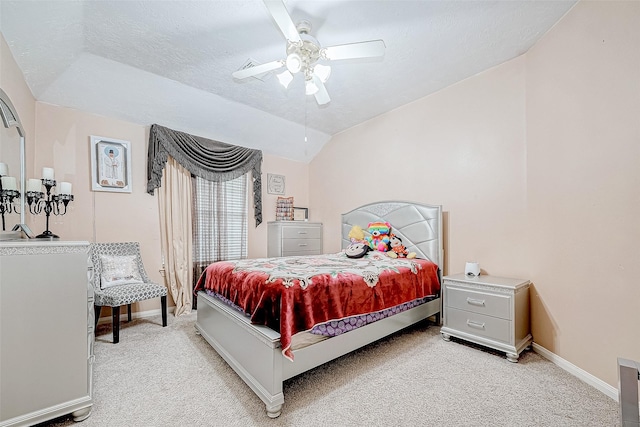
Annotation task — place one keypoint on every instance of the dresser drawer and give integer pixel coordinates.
(290, 238)
(300, 245)
(294, 232)
(301, 253)
(479, 302)
(479, 325)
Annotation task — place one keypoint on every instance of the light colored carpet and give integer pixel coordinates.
(171, 377)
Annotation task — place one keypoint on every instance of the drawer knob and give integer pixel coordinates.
(302, 244)
(476, 325)
(302, 232)
(477, 302)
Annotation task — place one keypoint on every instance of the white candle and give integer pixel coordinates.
(64, 188)
(34, 185)
(47, 173)
(9, 183)
(4, 169)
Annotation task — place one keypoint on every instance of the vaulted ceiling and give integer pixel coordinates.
(170, 61)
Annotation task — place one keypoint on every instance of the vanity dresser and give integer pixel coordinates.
(46, 331)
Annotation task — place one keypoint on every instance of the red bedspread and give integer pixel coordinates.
(293, 294)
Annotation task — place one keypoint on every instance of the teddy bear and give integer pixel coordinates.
(379, 236)
(398, 250)
(356, 234)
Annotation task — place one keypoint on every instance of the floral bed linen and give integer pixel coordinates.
(293, 294)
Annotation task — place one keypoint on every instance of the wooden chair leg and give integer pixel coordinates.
(115, 314)
(163, 303)
(128, 312)
(96, 311)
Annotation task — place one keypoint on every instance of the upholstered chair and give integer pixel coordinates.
(119, 278)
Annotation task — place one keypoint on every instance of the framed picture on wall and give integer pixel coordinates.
(275, 184)
(110, 164)
(300, 214)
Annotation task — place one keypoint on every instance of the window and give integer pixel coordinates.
(219, 220)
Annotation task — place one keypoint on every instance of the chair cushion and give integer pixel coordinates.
(119, 270)
(121, 295)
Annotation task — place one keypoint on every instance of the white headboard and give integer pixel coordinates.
(418, 225)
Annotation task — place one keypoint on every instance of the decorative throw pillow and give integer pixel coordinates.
(119, 270)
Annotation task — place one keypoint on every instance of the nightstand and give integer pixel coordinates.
(488, 310)
(288, 238)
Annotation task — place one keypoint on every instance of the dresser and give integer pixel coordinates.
(46, 331)
(487, 310)
(288, 238)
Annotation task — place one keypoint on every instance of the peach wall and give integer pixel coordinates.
(536, 165)
(583, 151)
(13, 83)
(63, 138)
(296, 176)
(63, 143)
(462, 148)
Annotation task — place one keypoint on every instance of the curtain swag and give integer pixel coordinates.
(206, 158)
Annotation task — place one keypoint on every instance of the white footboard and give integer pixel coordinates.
(315, 355)
(254, 352)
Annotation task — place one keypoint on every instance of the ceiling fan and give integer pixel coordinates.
(304, 52)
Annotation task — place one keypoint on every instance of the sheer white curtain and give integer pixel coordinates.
(221, 214)
(219, 221)
(174, 202)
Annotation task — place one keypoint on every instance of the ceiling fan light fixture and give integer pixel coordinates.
(285, 78)
(294, 63)
(303, 53)
(322, 71)
(310, 87)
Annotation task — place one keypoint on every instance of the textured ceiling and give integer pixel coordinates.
(170, 61)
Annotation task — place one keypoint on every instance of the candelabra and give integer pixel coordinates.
(48, 203)
(8, 193)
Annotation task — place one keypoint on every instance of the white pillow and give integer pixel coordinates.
(119, 270)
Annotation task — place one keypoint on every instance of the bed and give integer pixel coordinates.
(256, 351)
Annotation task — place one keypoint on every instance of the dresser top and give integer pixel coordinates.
(294, 223)
(485, 279)
(41, 246)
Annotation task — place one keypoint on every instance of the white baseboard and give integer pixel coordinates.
(583, 375)
(136, 315)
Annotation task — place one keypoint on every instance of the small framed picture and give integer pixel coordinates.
(300, 214)
(275, 184)
(110, 164)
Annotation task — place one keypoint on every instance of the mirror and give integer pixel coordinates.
(12, 164)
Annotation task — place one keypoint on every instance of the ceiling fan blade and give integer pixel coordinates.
(283, 20)
(369, 49)
(258, 69)
(322, 96)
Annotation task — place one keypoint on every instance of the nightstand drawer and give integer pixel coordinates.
(479, 302)
(294, 232)
(301, 245)
(479, 325)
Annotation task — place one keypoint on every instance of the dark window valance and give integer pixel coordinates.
(206, 158)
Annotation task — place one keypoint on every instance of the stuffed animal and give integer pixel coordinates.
(379, 236)
(398, 250)
(356, 234)
(357, 250)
